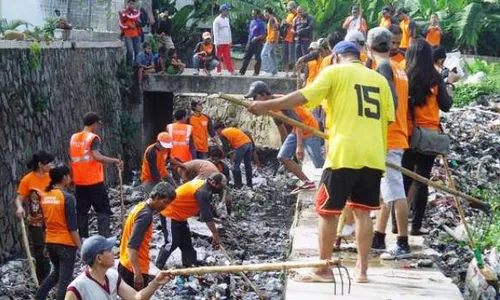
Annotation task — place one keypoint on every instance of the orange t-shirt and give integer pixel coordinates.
(185, 204)
(143, 251)
(273, 35)
(398, 57)
(235, 137)
(289, 21)
(327, 61)
(406, 35)
(54, 213)
(427, 115)
(32, 181)
(433, 36)
(385, 22)
(132, 29)
(397, 134)
(363, 56)
(200, 131)
(313, 69)
(161, 163)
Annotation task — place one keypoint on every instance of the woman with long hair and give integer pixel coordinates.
(30, 191)
(428, 95)
(61, 232)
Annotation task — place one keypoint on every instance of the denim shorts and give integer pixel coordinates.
(312, 146)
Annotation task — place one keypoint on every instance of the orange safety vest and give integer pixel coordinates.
(181, 135)
(235, 137)
(427, 115)
(143, 251)
(54, 214)
(85, 169)
(200, 132)
(385, 22)
(161, 159)
(433, 36)
(185, 204)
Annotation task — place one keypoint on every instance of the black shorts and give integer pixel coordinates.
(360, 186)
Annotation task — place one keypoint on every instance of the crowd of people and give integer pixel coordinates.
(395, 83)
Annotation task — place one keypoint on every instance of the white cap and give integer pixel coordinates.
(354, 36)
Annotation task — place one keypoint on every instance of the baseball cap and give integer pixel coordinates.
(314, 46)
(91, 118)
(256, 88)
(219, 178)
(206, 35)
(95, 245)
(345, 47)
(165, 140)
(224, 7)
(379, 38)
(354, 36)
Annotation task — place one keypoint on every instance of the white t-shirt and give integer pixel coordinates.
(222, 31)
(355, 24)
(86, 288)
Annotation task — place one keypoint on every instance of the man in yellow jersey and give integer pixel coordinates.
(361, 107)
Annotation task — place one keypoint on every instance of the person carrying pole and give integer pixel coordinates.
(88, 175)
(30, 191)
(361, 108)
(137, 236)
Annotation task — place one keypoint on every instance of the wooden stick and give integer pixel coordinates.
(247, 280)
(284, 266)
(122, 201)
(28, 254)
(323, 135)
(457, 204)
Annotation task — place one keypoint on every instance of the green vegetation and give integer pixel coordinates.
(12, 25)
(467, 93)
(34, 56)
(487, 229)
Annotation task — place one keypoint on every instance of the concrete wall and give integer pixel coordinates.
(40, 107)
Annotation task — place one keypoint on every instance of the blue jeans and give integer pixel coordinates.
(268, 55)
(199, 155)
(312, 146)
(63, 260)
(208, 65)
(301, 48)
(133, 46)
(243, 153)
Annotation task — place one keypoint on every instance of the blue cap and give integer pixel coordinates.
(224, 7)
(345, 47)
(94, 245)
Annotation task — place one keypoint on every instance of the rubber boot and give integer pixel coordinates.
(103, 225)
(83, 225)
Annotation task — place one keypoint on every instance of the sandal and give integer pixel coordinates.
(310, 277)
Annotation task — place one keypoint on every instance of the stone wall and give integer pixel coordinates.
(42, 104)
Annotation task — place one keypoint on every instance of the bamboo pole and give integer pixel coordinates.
(26, 245)
(283, 266)
(247, 280)
(323, 135)
(122, 201)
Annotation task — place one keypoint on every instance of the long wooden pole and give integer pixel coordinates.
(323, 135)
(284, 266)
(122, 201)
(26, 245)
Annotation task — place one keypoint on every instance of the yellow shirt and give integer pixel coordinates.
(360, 108)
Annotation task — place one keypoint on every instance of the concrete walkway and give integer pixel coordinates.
(388, 279)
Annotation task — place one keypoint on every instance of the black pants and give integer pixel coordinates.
(63, 260)
(97, 197)
(128, 276)
(422, 165)
(177, 235)
(42, 262)
(254, 49)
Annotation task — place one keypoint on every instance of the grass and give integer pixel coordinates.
(487, 229)
(467, 93)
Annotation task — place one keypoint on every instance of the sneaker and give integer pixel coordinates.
(307, 186)
(378, 244)
(348, 230)
(234, 73)
(197, 72)
(396, 252)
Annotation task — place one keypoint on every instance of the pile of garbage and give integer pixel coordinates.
(256, 232)
(474, 160)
